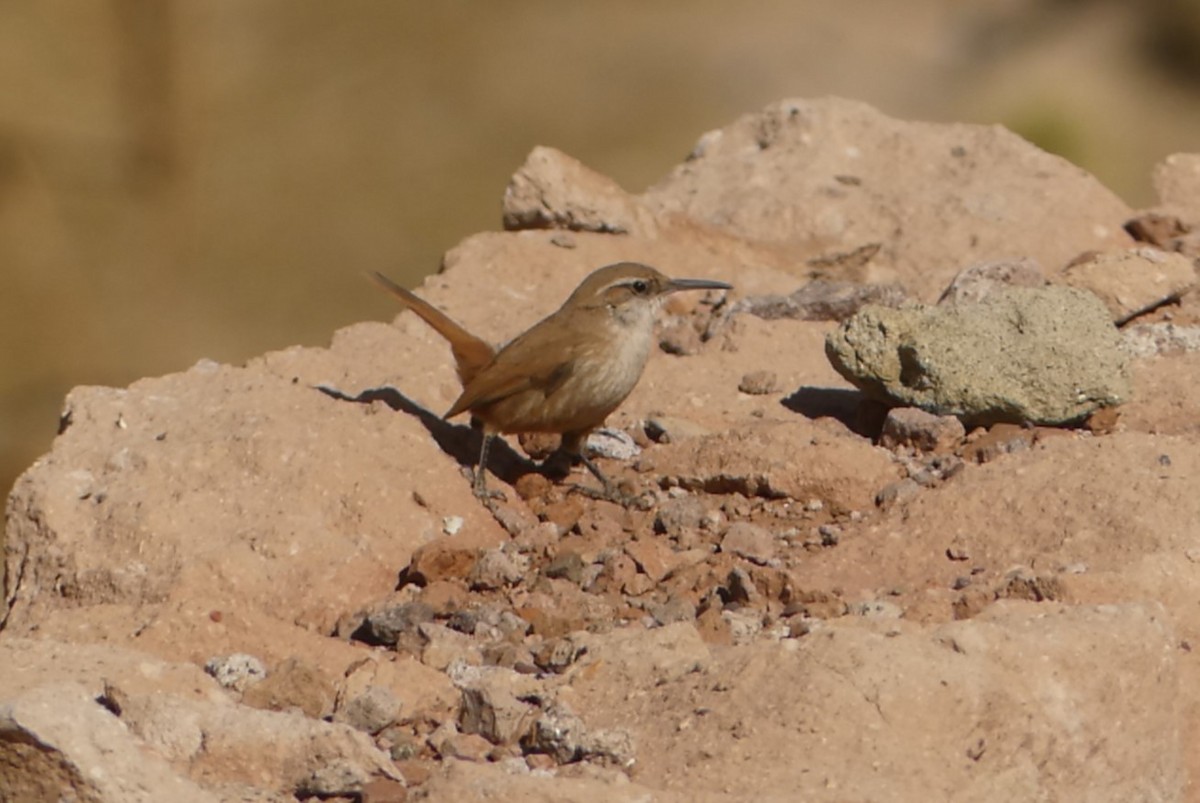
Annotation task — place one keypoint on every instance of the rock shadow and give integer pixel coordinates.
(460, 442)
(851, 407)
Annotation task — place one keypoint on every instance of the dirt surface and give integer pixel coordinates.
(273, 580)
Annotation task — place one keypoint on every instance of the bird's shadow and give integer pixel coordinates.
(458, 441)
(851, 407)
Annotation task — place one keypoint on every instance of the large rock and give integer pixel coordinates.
(1016, 705)
(261, 509)
(227, 490)
(172, 722)
(283, 752)
(1132, 282)
(552, 190)
(1045, 356)
(762, 460)
(58, 743)
(836, 175)
(1177, 183)
(832, 188)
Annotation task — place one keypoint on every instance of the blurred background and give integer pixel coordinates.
(181, 180)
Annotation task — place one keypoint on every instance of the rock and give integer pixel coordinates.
(760, 460)
(369, 709)
(497, 568)
(57, 743)
(563, 735)
(1161, 231)
(679, 515)
(553, 190)
(471, 782)
(913, 428)
(653, 557)
(383, 790)
(238, 671)
(759, 383)
(334, 778)
(444, 646)
(840, 172)
(672, 429)
(984, 279)
(1132, 282)
(271, 498)
(245, 511)
(1105, 421)
(555, 655)
(675, 609)
(680, 338)
(278, 751)
(442, 597)
(897, 492)
(740, 588)
(464, 746)
(395, 625)
(1153, 339)
(1048, 356)
(816, 604)
(1022, 584)
(295, 684)
(881, 694)
(1177, 184)
(822, 300)
(552, 620)
(875, 609)
(971, 602)
(445, 559)
(744, 625)
(565, 565)
(618, 570)
(493, 706)
(637, 585)
(830, 535)
(751, 542)
(1000, 439)
(661, 655)
(416, 690)
(613, 444)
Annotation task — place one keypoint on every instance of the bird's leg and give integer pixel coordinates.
(575, 444)
(596, 472)
(479, 485)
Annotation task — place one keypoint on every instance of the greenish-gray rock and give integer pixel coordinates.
(1044, 356)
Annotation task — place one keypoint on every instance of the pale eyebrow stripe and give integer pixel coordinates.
(623, 283)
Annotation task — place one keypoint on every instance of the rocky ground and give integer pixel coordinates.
(272, 582)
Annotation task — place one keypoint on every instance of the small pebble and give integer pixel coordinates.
(238, 671)
(759, 383)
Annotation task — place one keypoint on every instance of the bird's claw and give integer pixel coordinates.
(610, 493)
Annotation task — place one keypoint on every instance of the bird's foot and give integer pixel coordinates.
(485, 495)
(611, 493)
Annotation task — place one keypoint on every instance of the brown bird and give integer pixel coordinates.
(569, 371)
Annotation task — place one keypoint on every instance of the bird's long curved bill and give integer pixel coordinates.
(697, 284)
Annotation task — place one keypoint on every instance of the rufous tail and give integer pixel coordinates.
(471, 353)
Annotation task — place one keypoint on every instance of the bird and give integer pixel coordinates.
(568, 372)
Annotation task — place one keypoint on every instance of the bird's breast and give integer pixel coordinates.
(609, 371)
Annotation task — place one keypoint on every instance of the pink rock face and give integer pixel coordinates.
(1133, 282)
(790, 612)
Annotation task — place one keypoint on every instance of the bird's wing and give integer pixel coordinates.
(520, 366)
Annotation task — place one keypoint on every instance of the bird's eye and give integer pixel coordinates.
(640, 287)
